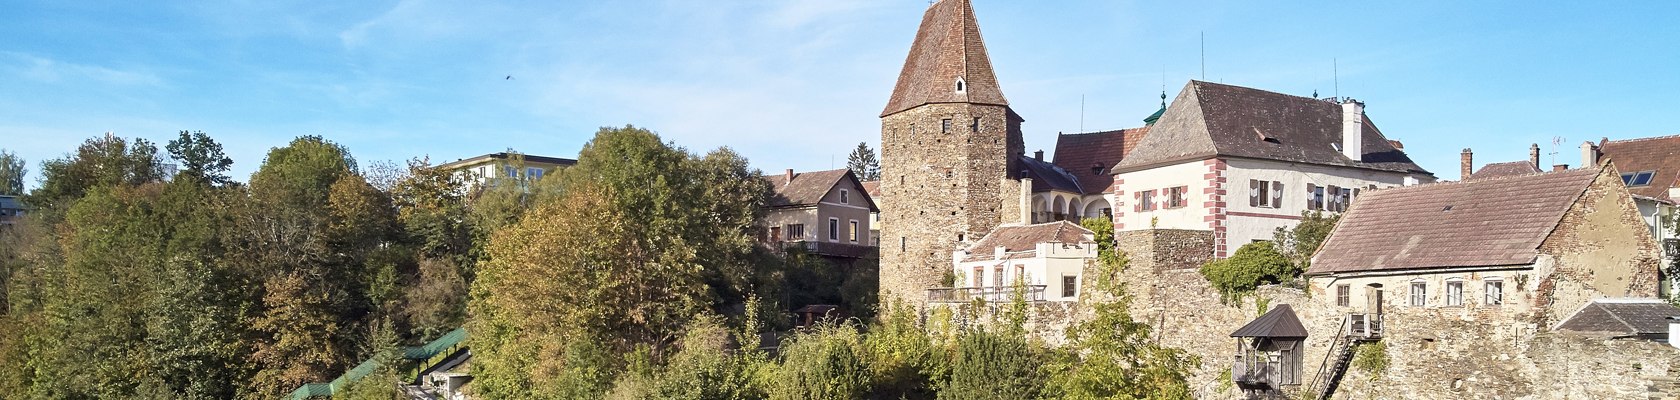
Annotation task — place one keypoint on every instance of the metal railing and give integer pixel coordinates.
(1364, 326)
(992, 294)
(1253, 371)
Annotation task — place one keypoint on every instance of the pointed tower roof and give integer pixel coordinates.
(947, 50)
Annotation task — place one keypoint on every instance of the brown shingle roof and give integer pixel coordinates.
(1024, 239)
(1492, 222)
(947, 47)
(1081, 152)
(808, 188)
(1660, 154)
(1210, 119)
(1513, 168)
(1622, 316)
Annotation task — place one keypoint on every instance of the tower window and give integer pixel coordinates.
(975, 126)
(945, 125)
(960, 86)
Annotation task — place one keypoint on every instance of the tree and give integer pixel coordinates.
(1111, 355)
(99, 162)
(1300, 242)
(11, 174)
(863, 163)
(994, 366)
(1253, 264)
(200, 158)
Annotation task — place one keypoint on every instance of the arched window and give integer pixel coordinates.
(961, 86)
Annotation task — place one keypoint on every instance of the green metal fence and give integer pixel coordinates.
(427, 355)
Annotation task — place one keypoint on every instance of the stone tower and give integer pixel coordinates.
(950, 148)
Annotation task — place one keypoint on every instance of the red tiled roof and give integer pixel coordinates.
(807, 188)
(1491, 222)
(1025, 238)
(1088, 155)
(1513, 168)
(947, 47)
(873, 188)
(1660, 154)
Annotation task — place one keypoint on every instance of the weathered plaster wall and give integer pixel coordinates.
(1603, 243)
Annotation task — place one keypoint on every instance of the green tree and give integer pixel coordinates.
(200, 157)
(1253, 264)
(1111, 354)
(11, 173)
(989, 365)
(863, 163)
(99, 162)
(822, 364)
(1300, 242)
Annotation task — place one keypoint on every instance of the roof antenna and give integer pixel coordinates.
(1081, 113)
(1556, 141)
(1204, 55)
(1336, 76)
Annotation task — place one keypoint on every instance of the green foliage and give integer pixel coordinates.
(903, 359)
(1371, 357)
(824, 363)
(99, 162)
(863, 163)
(1254, 264)
(200, 157)
(11, 173)
(993, 366)
(1300, 242)
(704, 369)
(1111, 355)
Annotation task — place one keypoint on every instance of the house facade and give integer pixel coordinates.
(1239, 163)
(1044, 260)
(827, 212)
(1528, 249)
(11, 210)
(483, 170)
(1650, 168)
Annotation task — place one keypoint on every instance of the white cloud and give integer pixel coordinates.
(48, 70)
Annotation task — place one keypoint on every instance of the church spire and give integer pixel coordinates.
(947, 62)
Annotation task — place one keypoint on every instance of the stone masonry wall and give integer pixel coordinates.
(1166, 249)
(947, 182)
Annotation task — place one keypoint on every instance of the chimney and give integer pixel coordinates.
(1534, 155)
(1026, 199)
(1353, 134)
(1038, 155)
(1560, 167)
(1465, 166)
(1589, 155)
(789, 175)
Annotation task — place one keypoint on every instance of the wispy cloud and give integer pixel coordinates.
(48, 70)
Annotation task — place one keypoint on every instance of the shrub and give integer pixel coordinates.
(1371, 357)
(993, 366)
(1254, 264)
(821, 364)
(704, 370)
(903, 360)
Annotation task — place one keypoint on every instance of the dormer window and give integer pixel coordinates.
(1641, 178)
(961, 86)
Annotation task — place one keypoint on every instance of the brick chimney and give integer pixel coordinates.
(790, 175)
(1534, 155)
(1589, 155)
(1353, 130)
(1038, 155)
(1465, 165)
(1560, 167)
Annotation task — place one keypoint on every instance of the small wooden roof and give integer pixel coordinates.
(1280, 322)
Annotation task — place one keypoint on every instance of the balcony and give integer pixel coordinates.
(1364, 326)
(994, 294)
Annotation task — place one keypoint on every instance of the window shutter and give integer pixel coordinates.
(1310, 189)
(1137, 203)
(1277, 194)
(1253, 193)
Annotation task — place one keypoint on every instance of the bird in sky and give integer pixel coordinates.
(509, 78)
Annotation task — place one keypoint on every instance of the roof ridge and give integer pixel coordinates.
(1261, 90)
(1643, 139)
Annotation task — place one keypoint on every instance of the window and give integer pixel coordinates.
(975, 127)
(775, 233)
(796, 231)
(979, 277)
(1146, 199)
(960, 86)
(1265, 194)
(945, 125)
(1070, 286)
(1175, 196)
(533, 173)
(833, 229)
(1419, 297)
(1455, 293)
(1343, 199)
(1494, 292)
(1342, 295)
(511, 171)
(903, 244)
(854, 232)
(845, 197)
(1641, 178)
(1315, 197)
(1020, 273)
(997, 277)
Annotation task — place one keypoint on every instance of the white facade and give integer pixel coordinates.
(1055, 266)
(1129, 216)
(1247, 223)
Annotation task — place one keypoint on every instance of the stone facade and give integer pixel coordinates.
(949, 168)
(1166, 249)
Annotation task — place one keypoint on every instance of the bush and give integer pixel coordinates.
(1371, 357)
(1254, 264)
(704, 369)
(904, 362)
(993, 366)
(821, 364)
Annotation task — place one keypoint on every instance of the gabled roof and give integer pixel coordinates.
(1021, 241)
(1079, 153)
(808, 188)
(873, 188)
(1210, 119)
(506, 155)
(1480, 223)
(1629, 317)
(1660, 154)
(947, 47)
(1513, 168)
(1280, 322)
(1047, 176)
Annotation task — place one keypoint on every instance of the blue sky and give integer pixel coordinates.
(797, 84)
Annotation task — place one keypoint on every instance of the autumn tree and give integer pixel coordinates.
(99, 162)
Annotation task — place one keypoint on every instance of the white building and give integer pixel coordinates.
(1241, 162)
(1046, 260)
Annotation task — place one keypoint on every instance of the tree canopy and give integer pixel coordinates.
(863, 163)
